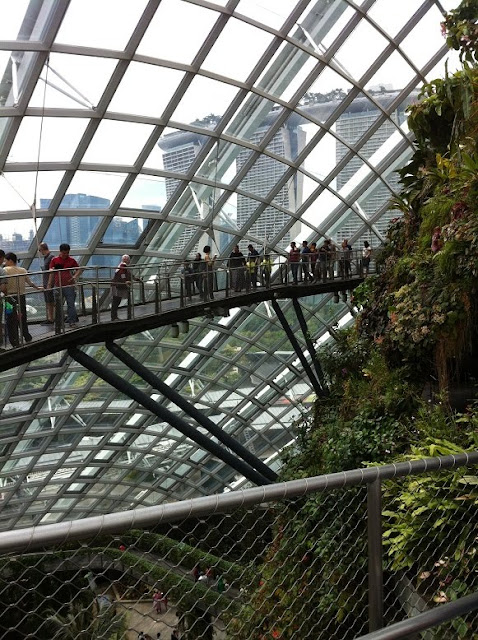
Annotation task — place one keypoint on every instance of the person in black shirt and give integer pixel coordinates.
(236, 266)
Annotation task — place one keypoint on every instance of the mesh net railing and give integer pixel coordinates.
(249, 567)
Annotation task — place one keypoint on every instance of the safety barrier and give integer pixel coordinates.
(325, 557)
(29, 313)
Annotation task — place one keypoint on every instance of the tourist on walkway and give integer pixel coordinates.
(313, 257)
(15, 300)
(208, 282)
(345, 259)
(294, 257)
(325, 251)
(64, 271)
(198, 267)
(187, 274)
(253, 261)
(305, 261)
(47, 293)
(366, 254)
(266, 270)
(120, 285)
(237, 262)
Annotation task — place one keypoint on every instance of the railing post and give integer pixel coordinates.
(94, 305)
(59, 322)
(181, 293)
(129, 312)
(375, 564)
(156, 297)
(82, 299)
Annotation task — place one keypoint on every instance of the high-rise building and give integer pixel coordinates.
(181, 148)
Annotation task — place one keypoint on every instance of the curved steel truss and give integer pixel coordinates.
(156, 127)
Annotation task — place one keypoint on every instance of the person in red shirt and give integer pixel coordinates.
(64, 271)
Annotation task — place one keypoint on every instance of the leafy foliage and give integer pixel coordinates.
(415, 330)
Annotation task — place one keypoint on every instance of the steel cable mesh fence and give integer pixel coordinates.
(292, 568)
(430, 534)
(289, 569)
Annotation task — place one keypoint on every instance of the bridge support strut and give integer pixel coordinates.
(188, 408)
(165, 415)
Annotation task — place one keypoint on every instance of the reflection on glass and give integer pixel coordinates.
(294, 64)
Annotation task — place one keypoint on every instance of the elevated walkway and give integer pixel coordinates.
(156, 300)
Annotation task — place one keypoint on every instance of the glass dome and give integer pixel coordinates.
(156, 127)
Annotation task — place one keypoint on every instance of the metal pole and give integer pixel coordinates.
(165, 415)
(34, 537)
(310, 346)
(297, 348)
(191, 410)
(375, 565)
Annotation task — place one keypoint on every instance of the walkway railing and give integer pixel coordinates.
(154, 289)
(325, 557)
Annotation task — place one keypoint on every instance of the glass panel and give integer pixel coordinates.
(270, 15)
(177, 43)
(179, 150)
(17, 189)
(74, 230)
(394, 68)
(105, 148)
(264, 173)
(220, 165)
(203, 102)
(288, 142)
(324, 95)
(253, 119)
(53, 139)
(147, 193)
(158, 85)
(98, 184)
(347, 58)
(93, 34)
(11, 22)
(294, 65)
(232, 38)
(323, 25)
(124, 231)
(323, 157)
(355, 121)
(74, 82)
(392, 21)
(421, 49)
(318, 210)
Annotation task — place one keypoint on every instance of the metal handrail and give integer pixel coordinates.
(427, 620)
(171, 281)
(34, 537)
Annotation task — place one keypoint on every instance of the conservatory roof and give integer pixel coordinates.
(153, 128)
